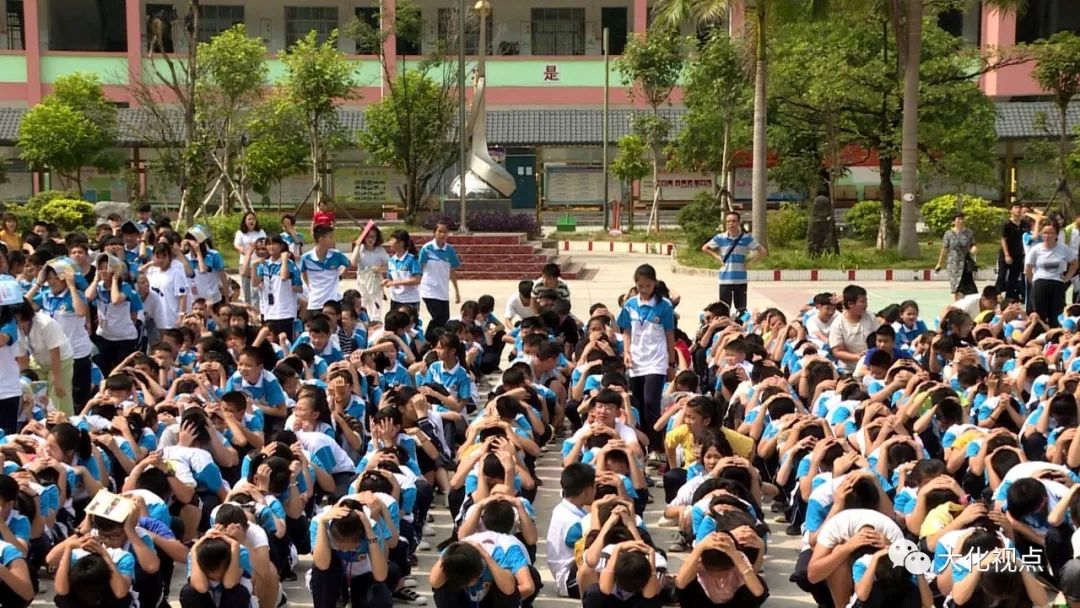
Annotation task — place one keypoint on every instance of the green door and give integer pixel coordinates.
(523, 168)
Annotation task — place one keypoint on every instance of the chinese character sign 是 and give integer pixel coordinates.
(551, 73)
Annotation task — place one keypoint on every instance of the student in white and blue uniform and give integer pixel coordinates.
(321, 269)
(209, 268)
(403, 275)
(118, 304)
(438, 263)
(647, 322)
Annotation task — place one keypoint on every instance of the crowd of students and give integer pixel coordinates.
(245, 435)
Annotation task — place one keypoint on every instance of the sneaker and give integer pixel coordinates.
(677, 546)
(409, 582)
(410, 597)
(446, 543)
(667, 522)
(288, 577)
(429, 531)
(423, 545)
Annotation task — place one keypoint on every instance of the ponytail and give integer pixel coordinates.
(72, 439)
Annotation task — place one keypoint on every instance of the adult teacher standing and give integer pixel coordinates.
(731, 249)
(959, 245)
(1049, 266)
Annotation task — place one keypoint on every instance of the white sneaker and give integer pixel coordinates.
(423, 545)
(666, 522)
(409, 582)
(429, 531)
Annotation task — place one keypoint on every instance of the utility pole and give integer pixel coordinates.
(607, 83)
(463, 152)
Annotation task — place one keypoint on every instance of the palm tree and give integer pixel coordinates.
(909, 46)
(711, 12)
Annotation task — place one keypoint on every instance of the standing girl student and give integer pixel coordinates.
(56, 295)
(371, 261)
(438, 263)
(118, 305)
(211, 281)
(246, 236)
(403, 274)
(647, 323)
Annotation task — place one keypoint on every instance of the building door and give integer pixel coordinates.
(614, 18)
(523, 168)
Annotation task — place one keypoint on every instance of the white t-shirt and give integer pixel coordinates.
(45, 335)
(1049, 263)
(170, 285)
(852, 336)
(559, 556)
(323, 276)
(844, 525)
(815, 325)
(968, 304)
(626, 433)
(243, 240)
(516, 310)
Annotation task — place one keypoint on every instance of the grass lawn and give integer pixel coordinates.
(854, 254)
(635, 236)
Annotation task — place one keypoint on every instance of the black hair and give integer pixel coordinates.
(88, 580)
(213, 554)
(576, 479)
(461, 564)
(852, 293)
(632, 571)
(1025, 496)
(72, 439)
(864, 494)
(498, 516)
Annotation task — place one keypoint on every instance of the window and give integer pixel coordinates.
(299, 20)
(16, 37)
(558, 31)
(216, 18)
(448, 28)
(369, 16)
(1044, 18)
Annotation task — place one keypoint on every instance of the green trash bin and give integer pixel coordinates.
(566, 223)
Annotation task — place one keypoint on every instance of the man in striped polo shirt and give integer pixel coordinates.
(731, 249)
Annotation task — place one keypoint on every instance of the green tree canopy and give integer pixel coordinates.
(277, 148)
(70, 129)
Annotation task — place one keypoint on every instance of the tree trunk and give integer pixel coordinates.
(654, 215)
(760, 152)
(1063, 173)
(887, 230)
(315, 186)
(909, 148)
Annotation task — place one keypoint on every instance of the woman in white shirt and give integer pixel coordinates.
(371, 260)
(248, 234)
(1049, 267)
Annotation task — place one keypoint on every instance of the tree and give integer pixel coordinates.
(1057, 70)
(234, 72)
(277, 149)
(907, 22)
(317, 78)
(630, 165)
(717, 96)
(413, 127)
(72, 128)
(650, 67)
(838, 99)
(411, 131)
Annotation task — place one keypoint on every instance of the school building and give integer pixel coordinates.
(545, 84)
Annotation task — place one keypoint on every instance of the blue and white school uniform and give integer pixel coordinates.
(280, 295)
(400, 268)
(194, 467)
(323, 276)
(436, 263)
(455, 380)
(266, 390)
(648, 323)
(61, 307)
(207, 285)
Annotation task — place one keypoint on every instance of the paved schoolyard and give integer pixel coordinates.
(610, 276)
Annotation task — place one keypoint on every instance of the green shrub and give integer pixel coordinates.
(702, 219)
(69, 214)
(980, 216)
(29, 212)
(864, 219)
(223, 228)
(787, 224)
